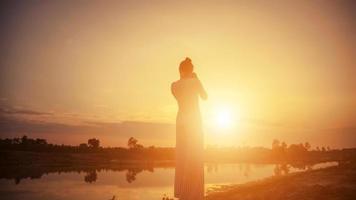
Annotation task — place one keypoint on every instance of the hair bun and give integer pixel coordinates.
(186, 67)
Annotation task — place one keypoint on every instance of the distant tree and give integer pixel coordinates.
(284, 146)
(323, 149)
(297, 149)
(307, 146)
(16, 141)
(328, 148)
(93, 143)
(132, 142)
(275, 144)
(41, 141)
(7, 142)
(301, 146)
(83, 145)
(317, 148)
(279, 149)
(24, 140)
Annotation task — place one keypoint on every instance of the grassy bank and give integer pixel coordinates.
(335, 183)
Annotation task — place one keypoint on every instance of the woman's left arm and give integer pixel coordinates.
(202, 91)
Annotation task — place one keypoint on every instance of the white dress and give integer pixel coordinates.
(189, 172)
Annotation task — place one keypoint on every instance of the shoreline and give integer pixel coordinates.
(337, 182)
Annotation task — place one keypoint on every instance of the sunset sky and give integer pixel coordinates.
(71, 70)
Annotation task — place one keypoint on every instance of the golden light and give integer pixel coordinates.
(224, 117)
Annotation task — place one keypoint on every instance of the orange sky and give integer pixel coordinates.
(74, 70)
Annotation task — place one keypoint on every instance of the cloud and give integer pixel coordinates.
(262, 122)
(111, 132)
(17, 125)
(343, 136)
(19, 111)
(139, 129)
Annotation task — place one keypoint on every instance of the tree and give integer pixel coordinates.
(284, 146)
(275, 144)
(307, 146)
(41, 141)
(301, 147)
(93, 143)
(83, 146)
(132, 143)
(16, 141)
(24, 140)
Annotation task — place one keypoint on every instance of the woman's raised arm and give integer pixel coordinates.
(202, 91)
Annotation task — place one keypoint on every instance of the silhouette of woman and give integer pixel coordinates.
(189, 173)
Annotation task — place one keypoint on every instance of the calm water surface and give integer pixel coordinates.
(132, 184)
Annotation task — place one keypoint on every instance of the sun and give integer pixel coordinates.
(224, 118)
(221, 117)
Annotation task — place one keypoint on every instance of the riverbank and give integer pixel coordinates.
(334, 183)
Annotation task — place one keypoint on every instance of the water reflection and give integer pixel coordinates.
(281, 169)
(18, 173)
(134, 181)
(131, 174)
(285, 168)
(91, 176)
(24, 172)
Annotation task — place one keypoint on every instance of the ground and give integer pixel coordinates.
(335, 183)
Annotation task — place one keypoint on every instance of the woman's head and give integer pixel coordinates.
(186, 68)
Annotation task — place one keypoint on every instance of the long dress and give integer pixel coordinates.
(189, 172)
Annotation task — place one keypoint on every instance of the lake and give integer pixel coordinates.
(134, 183)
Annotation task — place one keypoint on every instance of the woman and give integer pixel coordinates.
(189, 173)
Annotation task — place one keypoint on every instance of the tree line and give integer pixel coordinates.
(25, 143)
(279, 151)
